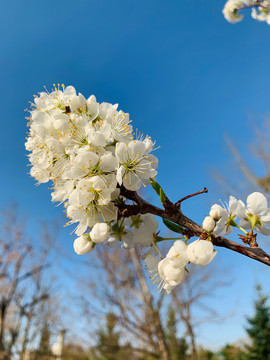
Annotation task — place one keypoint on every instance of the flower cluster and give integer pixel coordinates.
(89, 151)
(96, 164)
(255, 215)
(260, 10)
(171, 270)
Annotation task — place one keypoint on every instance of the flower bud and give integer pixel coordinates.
(209, 224)
(83, 244)
(100, 232)
(201, 252)
(216, 212)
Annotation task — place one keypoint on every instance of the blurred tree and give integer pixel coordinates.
(125, 289)
(204, 354)
(44, 350)
(76, 352)
(232, 352)
(194, 292)
(22, 288)
(108, 346)
(259, 329)
(177, 346)
(246, 178)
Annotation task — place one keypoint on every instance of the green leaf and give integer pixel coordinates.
(172, 226)
(155, 186)
(158, 189)
(162, 196)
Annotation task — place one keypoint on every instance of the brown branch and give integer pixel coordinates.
(256, 4)
(178, 203)
(179, 218)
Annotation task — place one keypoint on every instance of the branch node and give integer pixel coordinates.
(249, 239)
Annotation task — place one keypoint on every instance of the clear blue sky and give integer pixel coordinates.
(184, 74)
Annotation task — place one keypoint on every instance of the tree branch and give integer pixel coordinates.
(143, 207)
(256, 4)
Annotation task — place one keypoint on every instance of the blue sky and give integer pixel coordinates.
(184, 74)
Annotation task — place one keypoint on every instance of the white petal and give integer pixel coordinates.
(244, 224)
(263, 230)
(266, 218)
(256, 203)
(241, 209)
(131, 182)
(108, 162)
(137, 147)
(233, 204)
(152, 263)
(121, 152)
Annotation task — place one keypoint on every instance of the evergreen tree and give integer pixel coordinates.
(44, 351)
(177, 346)
(259, 330)
(44, 343)
(108, 346)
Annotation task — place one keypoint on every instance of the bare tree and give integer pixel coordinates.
(194, 293)
(22, 288)
(245, 176)
(126, 289)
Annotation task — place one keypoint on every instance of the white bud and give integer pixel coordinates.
(216, 212)
(100, 232)
(201, 252)
(209, 224)
(83, 244)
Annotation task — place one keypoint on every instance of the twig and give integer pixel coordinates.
(178, 203)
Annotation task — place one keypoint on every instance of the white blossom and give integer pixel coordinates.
(144, 228)
(177, 255)
(201, 252)
(230, 10)
(135, 167)
(228, 215)
(257, 214)
(87, 150)
(170, 276)
(100, 232)
(83, 244)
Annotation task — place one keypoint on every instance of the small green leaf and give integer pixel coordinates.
(186, 270)
(172, 226)
(162, 196)
(155, 186)
(158, 189)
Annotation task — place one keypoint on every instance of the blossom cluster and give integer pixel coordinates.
(171, 270)
(255, 215)
(260, 10)
(89, 151)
